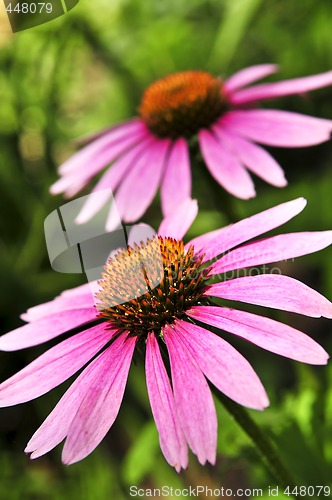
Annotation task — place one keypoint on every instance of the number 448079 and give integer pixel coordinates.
(308, 491)
(30, 8)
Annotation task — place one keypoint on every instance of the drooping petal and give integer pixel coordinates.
(104, 189)
(139, 188)
(101, 402)
(54, 366)
(91, 287)
(46, 328)
(179, 221)
(112, 136)
(193, 398)
(248, 75)
(176, 182)
(56, 426)
(256, 159)
(77, 290)
(228, 237)
(225, 167)
(61, 303)
(278, 128)
(223, 365)
(171, 437)
(91, 162)
(264, 332)
(275, 291)
(278, 89)
(69, 185)
(273, 249)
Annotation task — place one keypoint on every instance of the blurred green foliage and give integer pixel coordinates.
(81, 73)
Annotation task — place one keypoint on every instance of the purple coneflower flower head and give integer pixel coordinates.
(152, 151)
(171, 320)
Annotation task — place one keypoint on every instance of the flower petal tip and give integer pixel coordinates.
(210, 456)
(81, 220)
(30, 449)
(301, 201)
(70, 460)
(261, 404)
(322, 358)
(249, 195)
(6, 346)
(66, 460)
(54, 189)
(178, 467)
(265, 403)
(212, 460)
(282, 182)
(326, 310)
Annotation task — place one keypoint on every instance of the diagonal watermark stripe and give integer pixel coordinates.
(64, 5)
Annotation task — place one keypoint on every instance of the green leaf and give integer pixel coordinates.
(141, 457)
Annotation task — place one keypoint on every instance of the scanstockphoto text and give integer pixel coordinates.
(314, 491)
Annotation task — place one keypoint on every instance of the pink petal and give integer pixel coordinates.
(277, 128)
(256, 159)
(202, 242)
(103, 190)
(176, 182)
(107, 138)
(225, 167)
(56, 426)
(278, 89)
(171, 437)
(57, 305)
(140, 233)
(179, 221)
(54, 366)
(77, 290)
(264, 332)
(101, 402)
(193, 399)
(273, 249)
(117, 132)
(139, 188)
(227, 369)
(248, 75)
(275, 291)
(69, 185)
(46, 328)
(91, 287)
(90, 160)
(228, 237)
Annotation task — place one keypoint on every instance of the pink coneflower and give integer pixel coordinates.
(169, 321)
(152, 150)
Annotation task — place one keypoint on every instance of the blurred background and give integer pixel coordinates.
(81, 73)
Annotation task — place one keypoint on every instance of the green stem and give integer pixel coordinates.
(261, 441)
(235, 20)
